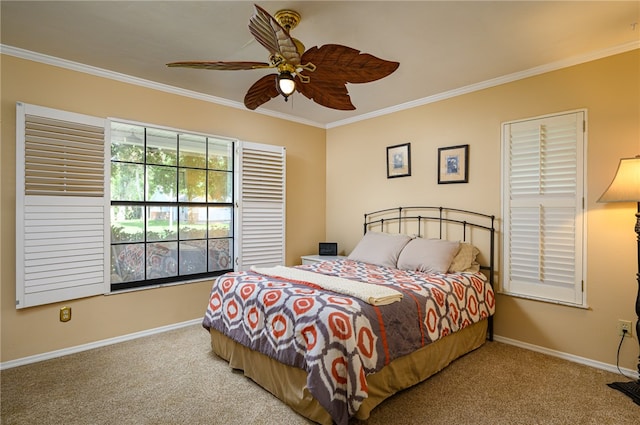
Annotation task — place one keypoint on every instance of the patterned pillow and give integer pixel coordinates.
(428, 255)
(465, 259)
(379, 248)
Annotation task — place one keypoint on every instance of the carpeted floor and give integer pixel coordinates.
(173, 378)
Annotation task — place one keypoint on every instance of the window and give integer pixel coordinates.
(171, 205)
(107, 205)
(543, 167)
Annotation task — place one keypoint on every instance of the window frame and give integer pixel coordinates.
(574, 295)
(147, 204)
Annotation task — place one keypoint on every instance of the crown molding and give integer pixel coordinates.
(112, 75)
(565, 63)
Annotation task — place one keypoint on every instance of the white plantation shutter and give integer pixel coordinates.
(61, 208)
(542, 207)
(260, 222)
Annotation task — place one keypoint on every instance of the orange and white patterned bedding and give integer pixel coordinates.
(339, 340)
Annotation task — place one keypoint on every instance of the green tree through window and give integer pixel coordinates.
(171, 205)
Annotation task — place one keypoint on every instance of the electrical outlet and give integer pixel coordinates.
(65, 314)
(624, 325)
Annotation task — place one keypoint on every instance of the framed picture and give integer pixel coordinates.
(453, 164)
(399, 160)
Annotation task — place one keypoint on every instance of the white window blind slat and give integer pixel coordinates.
(38, 264)
(70, 284)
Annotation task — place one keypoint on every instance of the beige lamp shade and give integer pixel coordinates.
(625, 186)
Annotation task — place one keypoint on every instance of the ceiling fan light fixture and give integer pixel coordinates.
(293, 74)
(285, 84)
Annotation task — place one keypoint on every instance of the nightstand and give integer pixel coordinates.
(311, 259)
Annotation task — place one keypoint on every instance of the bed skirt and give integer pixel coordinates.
(289, 383)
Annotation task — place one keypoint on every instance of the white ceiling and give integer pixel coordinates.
(443, 47)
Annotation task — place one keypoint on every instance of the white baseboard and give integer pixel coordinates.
(71, 350)
(572, 358)
(78, 348)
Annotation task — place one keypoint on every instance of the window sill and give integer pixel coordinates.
(544, 300)
(163, 285)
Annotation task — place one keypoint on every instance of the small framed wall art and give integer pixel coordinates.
(453, 164)
(399, 160)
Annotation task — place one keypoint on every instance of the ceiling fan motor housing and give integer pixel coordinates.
(289, 19)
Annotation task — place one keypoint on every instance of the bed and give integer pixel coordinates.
(334, 339)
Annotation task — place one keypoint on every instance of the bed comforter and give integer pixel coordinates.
(339, 340)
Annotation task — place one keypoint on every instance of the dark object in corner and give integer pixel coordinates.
(631, 389)
(328, 248)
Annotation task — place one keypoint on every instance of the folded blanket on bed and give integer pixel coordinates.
(367, 292)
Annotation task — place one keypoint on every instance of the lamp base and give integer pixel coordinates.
(631, 389)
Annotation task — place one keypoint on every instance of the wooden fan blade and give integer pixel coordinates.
(221, 66)
(336, 62)
(261, 91)
(273, 36)
(330, 93)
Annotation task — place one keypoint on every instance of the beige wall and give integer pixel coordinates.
(37, 330)
(355, 183)
(610, 91)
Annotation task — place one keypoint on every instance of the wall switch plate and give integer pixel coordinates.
(65, 314)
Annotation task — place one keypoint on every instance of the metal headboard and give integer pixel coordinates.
(417, 220)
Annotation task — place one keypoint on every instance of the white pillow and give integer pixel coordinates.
(465, 259)
(428, 255)
(379, 248)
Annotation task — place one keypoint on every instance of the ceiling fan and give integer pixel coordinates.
(319, 73)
